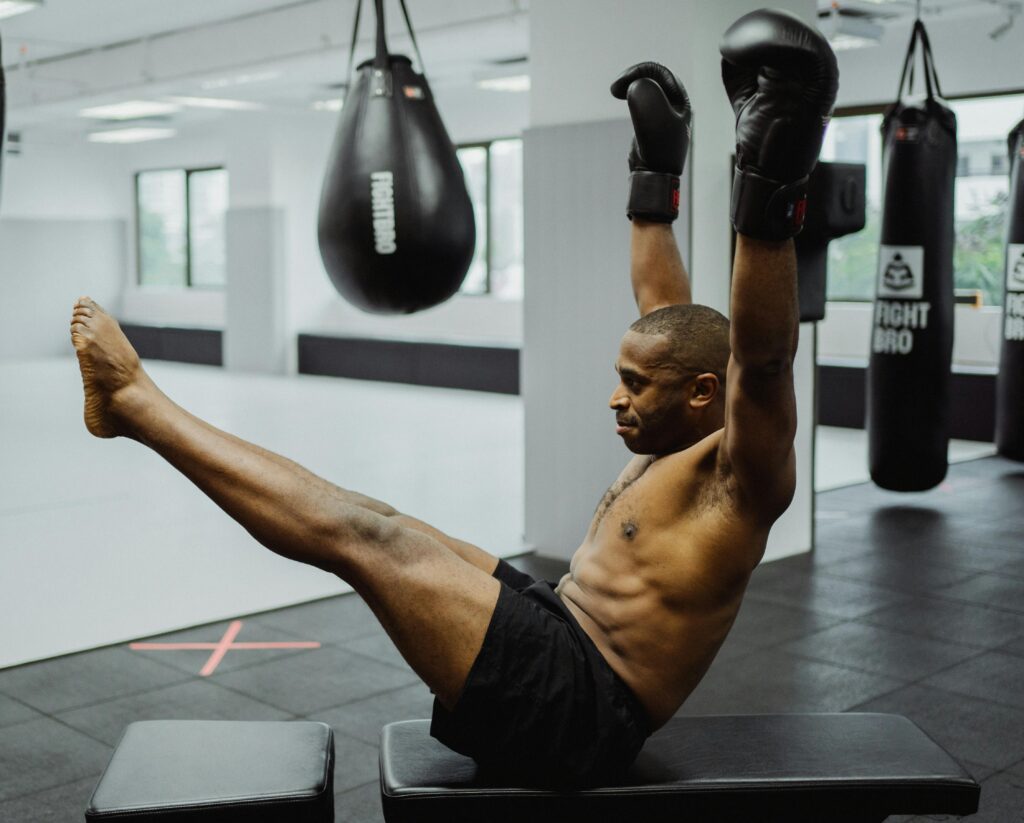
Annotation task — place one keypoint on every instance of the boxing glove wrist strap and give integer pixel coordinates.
(653, 196)
(767, 209)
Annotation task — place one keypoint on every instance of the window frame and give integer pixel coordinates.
(189, 171)
(488, 190)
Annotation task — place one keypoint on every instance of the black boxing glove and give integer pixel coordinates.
(660, 110)
(781, 78)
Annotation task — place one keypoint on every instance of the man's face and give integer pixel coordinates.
(650, 401)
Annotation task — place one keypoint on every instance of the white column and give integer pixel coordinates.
(255, 310)
(578, 301)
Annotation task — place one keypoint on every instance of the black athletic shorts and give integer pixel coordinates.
(541, 705)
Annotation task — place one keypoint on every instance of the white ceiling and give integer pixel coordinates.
(67, 26)
(75, 53)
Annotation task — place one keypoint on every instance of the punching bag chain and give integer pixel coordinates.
(931, 78)
(352, 47)
(382, 48)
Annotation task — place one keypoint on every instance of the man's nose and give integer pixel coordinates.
(618, 399)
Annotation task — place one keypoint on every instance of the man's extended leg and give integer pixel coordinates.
(435, 605)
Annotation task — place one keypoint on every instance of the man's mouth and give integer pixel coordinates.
(624, 425)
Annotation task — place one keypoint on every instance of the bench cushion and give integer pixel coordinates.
(750, 767)
(210, 770)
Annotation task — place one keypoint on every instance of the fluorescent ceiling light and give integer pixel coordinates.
(239, 80)
(217, 103)
(129, 110)
(845, 32)
(328, 105)
(130, 135)
(519, 82)
(9, 8)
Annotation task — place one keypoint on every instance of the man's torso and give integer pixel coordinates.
(658, 580)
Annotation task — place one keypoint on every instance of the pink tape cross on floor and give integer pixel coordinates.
(221, 647)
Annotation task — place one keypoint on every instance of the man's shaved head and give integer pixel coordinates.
(698, 337)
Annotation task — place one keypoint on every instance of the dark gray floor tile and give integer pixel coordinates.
(968, 555)
(774, 681)
(359, 805)
(13, 711)
(86, 678)
(997, 591)
(1002, 800)
(318, 680)
(902, 522)
(194, 700)
(57, 805)
(329, 621)
(952, 621)
(191, 661)
(42, 754)
(1015, 646)
(971, 730)
(1014, 568)
(887, 572)
(767, 624)
(818, 593)
(1017, 769)
(831, 546)
(356, 763)
(363, 719)
(379, 647)
(882, 651)
(734, 647)
(990, 676)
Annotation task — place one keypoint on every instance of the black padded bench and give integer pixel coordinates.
(796, 767)
(230, 771)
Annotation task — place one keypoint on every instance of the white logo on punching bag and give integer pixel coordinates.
(382, 199)
(1015, 267)
(901, 272)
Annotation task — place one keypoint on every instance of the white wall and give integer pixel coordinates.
(62, 177)
(62, 228)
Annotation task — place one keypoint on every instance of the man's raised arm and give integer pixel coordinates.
(660, 110)
(781, 78)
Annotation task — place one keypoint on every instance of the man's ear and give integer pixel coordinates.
(705, 389)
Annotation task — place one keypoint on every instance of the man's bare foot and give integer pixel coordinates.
(110, 367)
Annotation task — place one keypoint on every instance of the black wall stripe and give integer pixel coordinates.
(841, 401)
(479, 368)
(202, 346)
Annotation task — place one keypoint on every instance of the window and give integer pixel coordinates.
(494, 177)
(180, 223)
(982, 192)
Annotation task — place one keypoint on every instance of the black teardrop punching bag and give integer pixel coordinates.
(3, 114)
(1010, 382)
(396, 224)
(908, 384)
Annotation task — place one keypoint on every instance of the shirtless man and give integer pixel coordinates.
(563, 684)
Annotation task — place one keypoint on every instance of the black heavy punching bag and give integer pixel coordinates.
(908, 382)
(396, 223)
(1010, 382)
(836, 206)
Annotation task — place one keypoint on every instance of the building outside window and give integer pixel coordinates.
(180, 223)
(494, 177)
(982, 191)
